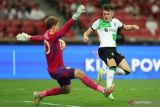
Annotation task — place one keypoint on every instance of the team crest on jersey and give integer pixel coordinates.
(114, 24)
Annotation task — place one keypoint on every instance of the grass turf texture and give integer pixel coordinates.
(13, 93)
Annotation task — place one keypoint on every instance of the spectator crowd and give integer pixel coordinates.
(20, 16)
(145, 13)
(26, 16)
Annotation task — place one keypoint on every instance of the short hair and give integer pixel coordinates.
(51, 21)
(107, 7)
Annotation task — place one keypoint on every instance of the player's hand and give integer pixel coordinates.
(81, 9)
(62, 44)
(85, 38)
(22, 37)
(136, 27)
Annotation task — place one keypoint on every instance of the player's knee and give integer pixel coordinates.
(127, 70)
(79, 74)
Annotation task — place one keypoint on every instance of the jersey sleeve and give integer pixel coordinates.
(37, 38)
(95, 25)
(62, 32)
(119, 23)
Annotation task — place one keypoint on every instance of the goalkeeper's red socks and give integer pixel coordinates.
(91, 84)
(50, 92)
(87, 81)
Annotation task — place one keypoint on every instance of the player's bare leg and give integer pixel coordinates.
(124, 67)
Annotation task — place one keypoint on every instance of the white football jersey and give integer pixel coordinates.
(107, 31)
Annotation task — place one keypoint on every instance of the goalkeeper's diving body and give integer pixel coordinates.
(107, 32)
(56, 67)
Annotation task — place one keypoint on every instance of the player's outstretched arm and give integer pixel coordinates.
(37, 38)
(26, 37)
(23, 37)
(130, 27)
(69, 24)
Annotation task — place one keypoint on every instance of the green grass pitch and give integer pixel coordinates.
(18, 93)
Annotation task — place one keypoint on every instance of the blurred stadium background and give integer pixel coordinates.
(18, 61)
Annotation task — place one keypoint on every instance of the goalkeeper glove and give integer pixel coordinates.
(22, 37)
(80, 10)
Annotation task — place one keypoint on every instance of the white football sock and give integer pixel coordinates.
(105, 71)
(119, 71)
(109, 78)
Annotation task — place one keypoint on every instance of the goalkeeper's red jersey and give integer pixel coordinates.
(52, 46)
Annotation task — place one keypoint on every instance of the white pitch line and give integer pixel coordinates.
(14, 62)
(50, 104)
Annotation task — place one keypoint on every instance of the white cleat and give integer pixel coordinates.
(37, 98)
(110, 97)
